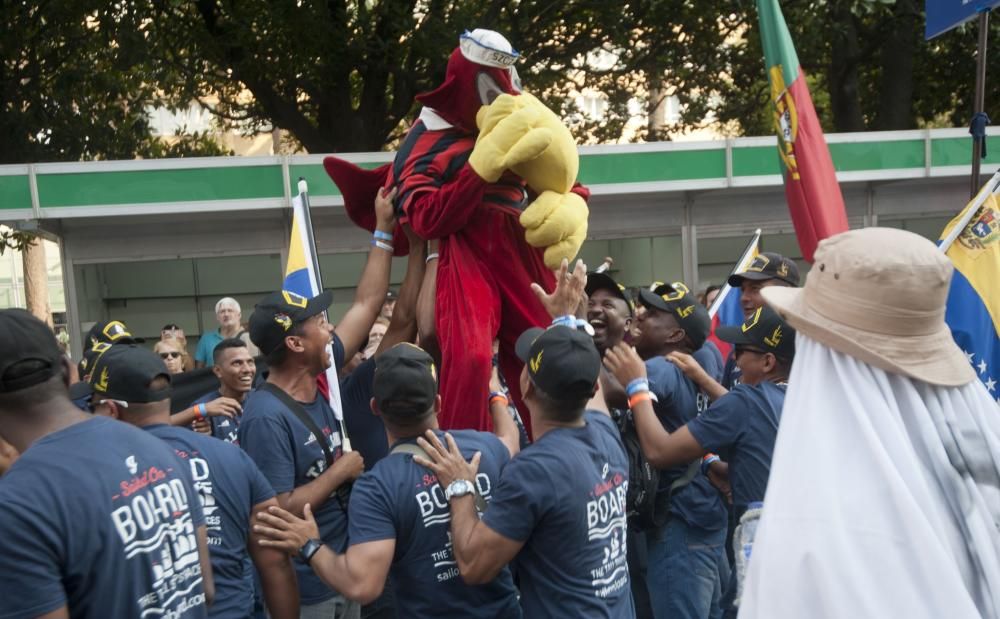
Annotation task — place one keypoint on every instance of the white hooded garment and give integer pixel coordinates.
(883, 499)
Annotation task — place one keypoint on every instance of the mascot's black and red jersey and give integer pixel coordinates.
(462, 191)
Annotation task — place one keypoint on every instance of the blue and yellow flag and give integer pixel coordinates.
(302, 279)
(299, 275)
(973, 310)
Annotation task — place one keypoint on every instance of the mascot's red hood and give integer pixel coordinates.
(479, 70)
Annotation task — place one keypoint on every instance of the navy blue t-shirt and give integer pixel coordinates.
(403, 501)
(223, 427)
(741, 427)
(229, 484)
(710, 359)
(678, 401)
(564, 497)
(365, 429)
(101, 517)
(289, 456)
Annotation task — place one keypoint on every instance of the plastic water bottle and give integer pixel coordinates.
(743, 542)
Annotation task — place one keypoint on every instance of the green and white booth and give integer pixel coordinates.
(159, 241)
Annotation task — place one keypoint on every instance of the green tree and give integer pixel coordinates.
(342, 75)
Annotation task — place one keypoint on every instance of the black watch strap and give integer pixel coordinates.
(310, 548)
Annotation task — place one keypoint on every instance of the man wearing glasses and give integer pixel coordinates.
(741, 425)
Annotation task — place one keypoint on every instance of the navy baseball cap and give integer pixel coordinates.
(765, 266)
(125, 372)
(405, 382)
(562, 362)
(602, 281)
(110, 332)
(26, 338)
(764, 330)
(677, 300)
(274, 315)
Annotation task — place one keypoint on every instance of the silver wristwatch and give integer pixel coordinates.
(459, 487)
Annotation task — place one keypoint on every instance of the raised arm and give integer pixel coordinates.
(663, 449)
(426, 325)
(480, 551)
(403, 325)
(353, 328)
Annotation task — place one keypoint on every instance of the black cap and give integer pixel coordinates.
(767, 266)
(562, 362)
(124, 372)
(764, 330)
(109, 332)
(602, 281)
(391, 295)
(90, 356)
(677, 300)
(26, 338)
(405, 382)
(274, 315)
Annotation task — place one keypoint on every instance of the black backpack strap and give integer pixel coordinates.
(693, 469)
(300, 412)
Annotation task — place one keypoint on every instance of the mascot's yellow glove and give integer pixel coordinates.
(513, 138)
(558, 222)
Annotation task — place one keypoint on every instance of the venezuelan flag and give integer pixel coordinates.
(726, 309)
(973, 310)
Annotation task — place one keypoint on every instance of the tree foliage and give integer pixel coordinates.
(78, 76)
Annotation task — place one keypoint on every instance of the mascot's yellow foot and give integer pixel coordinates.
(558, 222)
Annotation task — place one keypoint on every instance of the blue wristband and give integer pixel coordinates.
(637, 385)
(565, 321)
(383, 236)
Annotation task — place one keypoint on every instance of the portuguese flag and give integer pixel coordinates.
(814, 199)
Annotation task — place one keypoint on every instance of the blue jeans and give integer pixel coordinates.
(687, 569)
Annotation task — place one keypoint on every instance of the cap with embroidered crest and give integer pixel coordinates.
(562, 362)
(110, 332)
(275, 314)
(677, 300)
(764, 330)
(765, 266)
(126, 372)
(405, 381)
(602, 281)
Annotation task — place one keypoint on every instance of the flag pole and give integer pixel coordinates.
(956, 230)
(333, 385)
(747, 253)
(978, 117)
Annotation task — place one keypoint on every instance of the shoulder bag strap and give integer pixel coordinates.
(299, 411)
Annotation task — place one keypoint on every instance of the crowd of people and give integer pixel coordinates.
(637, 492)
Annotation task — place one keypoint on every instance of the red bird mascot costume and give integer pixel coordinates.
(490, 172)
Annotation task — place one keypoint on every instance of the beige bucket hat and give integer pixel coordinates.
(878, 295)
